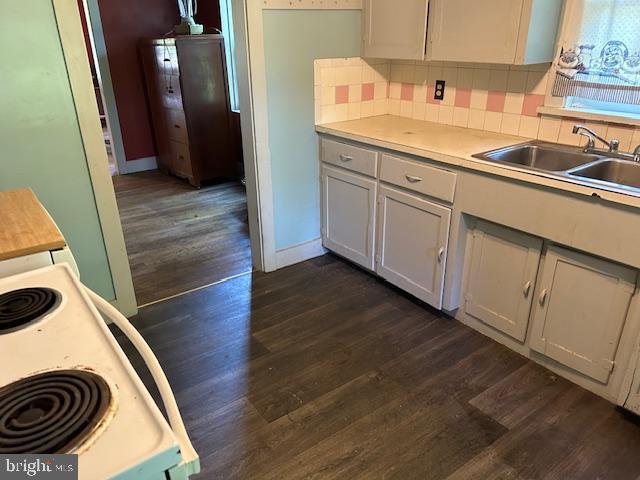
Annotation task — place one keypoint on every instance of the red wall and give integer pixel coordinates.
(124, 22)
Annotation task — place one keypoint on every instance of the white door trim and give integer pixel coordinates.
(79, 72)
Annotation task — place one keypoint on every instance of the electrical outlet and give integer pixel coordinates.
(439, 93)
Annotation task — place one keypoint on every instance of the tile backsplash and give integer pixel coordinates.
(497, 98)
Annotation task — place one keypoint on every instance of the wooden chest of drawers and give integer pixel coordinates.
(187, 86)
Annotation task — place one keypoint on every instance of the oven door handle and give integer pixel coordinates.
(189, 455)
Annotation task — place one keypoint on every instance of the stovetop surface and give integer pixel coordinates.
(73, 336)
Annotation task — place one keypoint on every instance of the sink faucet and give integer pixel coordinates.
(592, 136)
(636, 154)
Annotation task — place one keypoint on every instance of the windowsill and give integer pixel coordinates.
(594, 115)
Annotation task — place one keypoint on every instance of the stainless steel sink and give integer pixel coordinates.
(540, 156)
(618, 172)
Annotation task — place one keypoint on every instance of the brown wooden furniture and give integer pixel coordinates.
(189, 97)
(25, 226)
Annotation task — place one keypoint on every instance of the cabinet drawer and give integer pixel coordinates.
(180, 159)
(167, 60)
(170, 92)
(435, 182)
(350, 157)
(177, 125)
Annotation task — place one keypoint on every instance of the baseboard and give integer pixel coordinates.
(299, 253)
(140, 165)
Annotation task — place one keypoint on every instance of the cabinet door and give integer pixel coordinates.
(581, 310)
(501, 278)
(394, 29)
(464, 31)
(348, 215)
(412, 244)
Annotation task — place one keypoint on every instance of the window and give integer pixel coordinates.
(599, 65)
(226, 15)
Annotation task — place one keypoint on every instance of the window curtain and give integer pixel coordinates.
(602, 60)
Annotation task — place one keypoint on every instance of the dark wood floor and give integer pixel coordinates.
(179, 237)
(321, 371)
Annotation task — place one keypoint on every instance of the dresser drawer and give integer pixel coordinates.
(350, 157)
(425, 179)
(176, 125)
(167, 60)
(170, 91)
(180, 159)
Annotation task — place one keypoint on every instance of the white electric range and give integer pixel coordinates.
(66, 386)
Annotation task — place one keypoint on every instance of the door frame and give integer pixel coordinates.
(252, 86)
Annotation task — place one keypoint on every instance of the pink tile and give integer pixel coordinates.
(342, 94)
(495, 101)
(406, 92)
(463, 97)
(531, 104)
(368, 90)
(431, 90)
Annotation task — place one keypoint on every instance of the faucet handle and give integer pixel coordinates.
(614, 145)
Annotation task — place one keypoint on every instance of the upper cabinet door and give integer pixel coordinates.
(501, 278)
(413, 234)
(474, 31)
(395, 29)
(581, 311)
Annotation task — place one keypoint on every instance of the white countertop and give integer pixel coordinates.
(455, 146)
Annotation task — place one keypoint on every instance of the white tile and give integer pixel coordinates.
(324, 62)
(354, 111)
(355, 93)
(394, 106)
(517, 81)
(513, 102)
(529, 127)
(339, 62)
(449, 95)
(432, 112)
(406, 108)
(328, 76)
(381, 106)
(380, 91)
(317, 77)
(420, 93)
(476, 119)
(549, 129)
(396, 73)
(493, 121)
(537, 82)
(342, 75)
(445, 115)
(420, 75)
(327, 95)
(342, 112)
(354, 75)
(465, 78)
(566, 135)
(407, 73)
(498, 80)
(510, 123)
(479, 99)
(368, 74)
(435, 73)
(460, 117)
(328, 114)
(395, 90)
(419, 110)
(366, 109)
(450, 76)
(481, 79)
(354, 61)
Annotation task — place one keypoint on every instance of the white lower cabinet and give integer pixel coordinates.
(501, 277)
(348, 215)
(580, 311)
(412, 243)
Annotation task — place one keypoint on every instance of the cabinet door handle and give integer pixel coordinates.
(345, 158)
(526, 289)
(413, 179)
(440, 254)
(543, 297)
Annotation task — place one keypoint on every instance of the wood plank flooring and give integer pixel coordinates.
(179, 238)
(322, 371)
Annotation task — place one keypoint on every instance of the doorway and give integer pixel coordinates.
(180, 234)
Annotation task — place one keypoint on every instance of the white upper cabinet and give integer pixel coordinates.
(413, 234)
(581, 310)
(516, 32)
(501, 278)
(394, 29)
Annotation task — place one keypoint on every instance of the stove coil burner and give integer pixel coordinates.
(51, 412)
(20, 308)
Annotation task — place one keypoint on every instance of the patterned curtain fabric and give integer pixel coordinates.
(603, 61)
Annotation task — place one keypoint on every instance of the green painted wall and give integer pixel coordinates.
(40, 140)
(292, 40)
